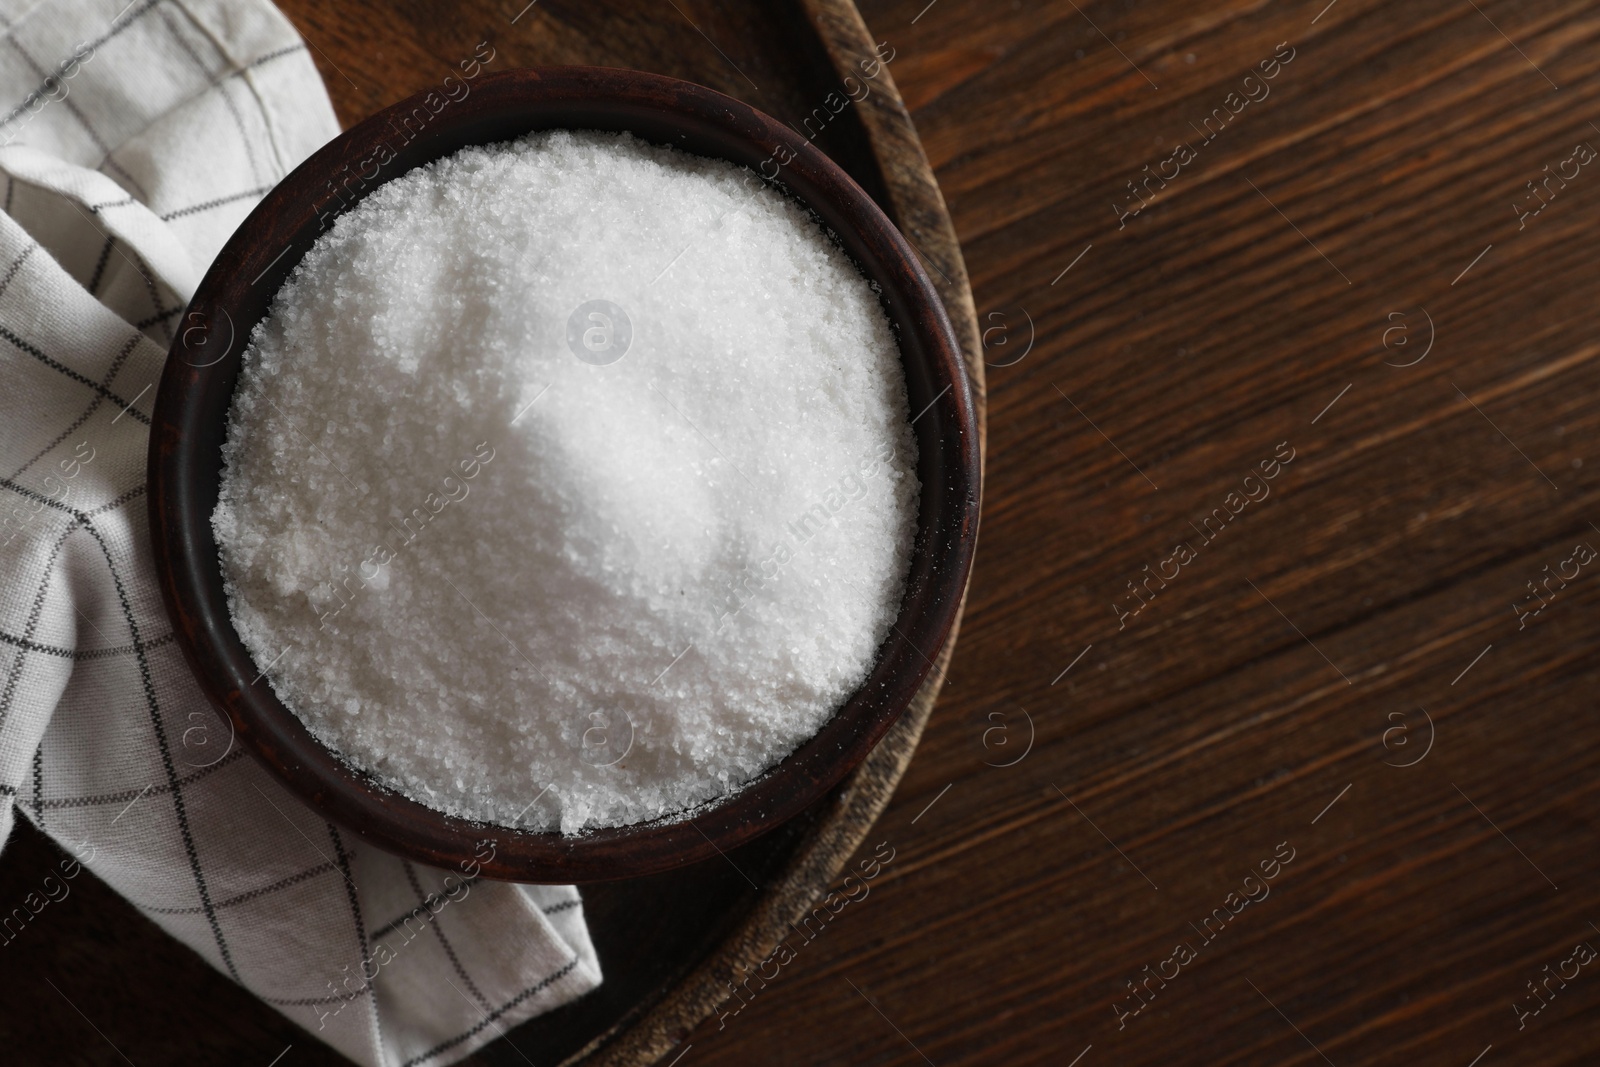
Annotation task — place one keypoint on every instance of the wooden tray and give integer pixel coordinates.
(667, 943)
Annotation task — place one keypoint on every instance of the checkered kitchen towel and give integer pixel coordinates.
(133, 139)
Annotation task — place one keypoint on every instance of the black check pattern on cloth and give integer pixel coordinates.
(106, 743)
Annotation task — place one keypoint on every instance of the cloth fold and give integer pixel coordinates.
(133, 140)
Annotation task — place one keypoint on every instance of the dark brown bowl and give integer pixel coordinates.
(191, 411)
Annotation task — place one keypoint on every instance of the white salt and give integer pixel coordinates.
(558, 583)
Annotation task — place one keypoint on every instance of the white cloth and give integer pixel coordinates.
(135, 138)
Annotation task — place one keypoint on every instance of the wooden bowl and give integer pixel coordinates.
(191, 410)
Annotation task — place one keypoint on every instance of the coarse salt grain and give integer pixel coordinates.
(523, 580)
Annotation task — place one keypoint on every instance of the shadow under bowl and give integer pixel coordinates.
(190, 423)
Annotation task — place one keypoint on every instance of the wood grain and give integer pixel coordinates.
(1224, 718)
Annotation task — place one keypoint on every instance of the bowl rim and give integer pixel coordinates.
(200, 374)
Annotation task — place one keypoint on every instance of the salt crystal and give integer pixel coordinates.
(575, 474)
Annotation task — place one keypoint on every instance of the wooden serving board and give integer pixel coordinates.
(668, 942)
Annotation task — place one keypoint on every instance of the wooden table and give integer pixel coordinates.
(1277, 443)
